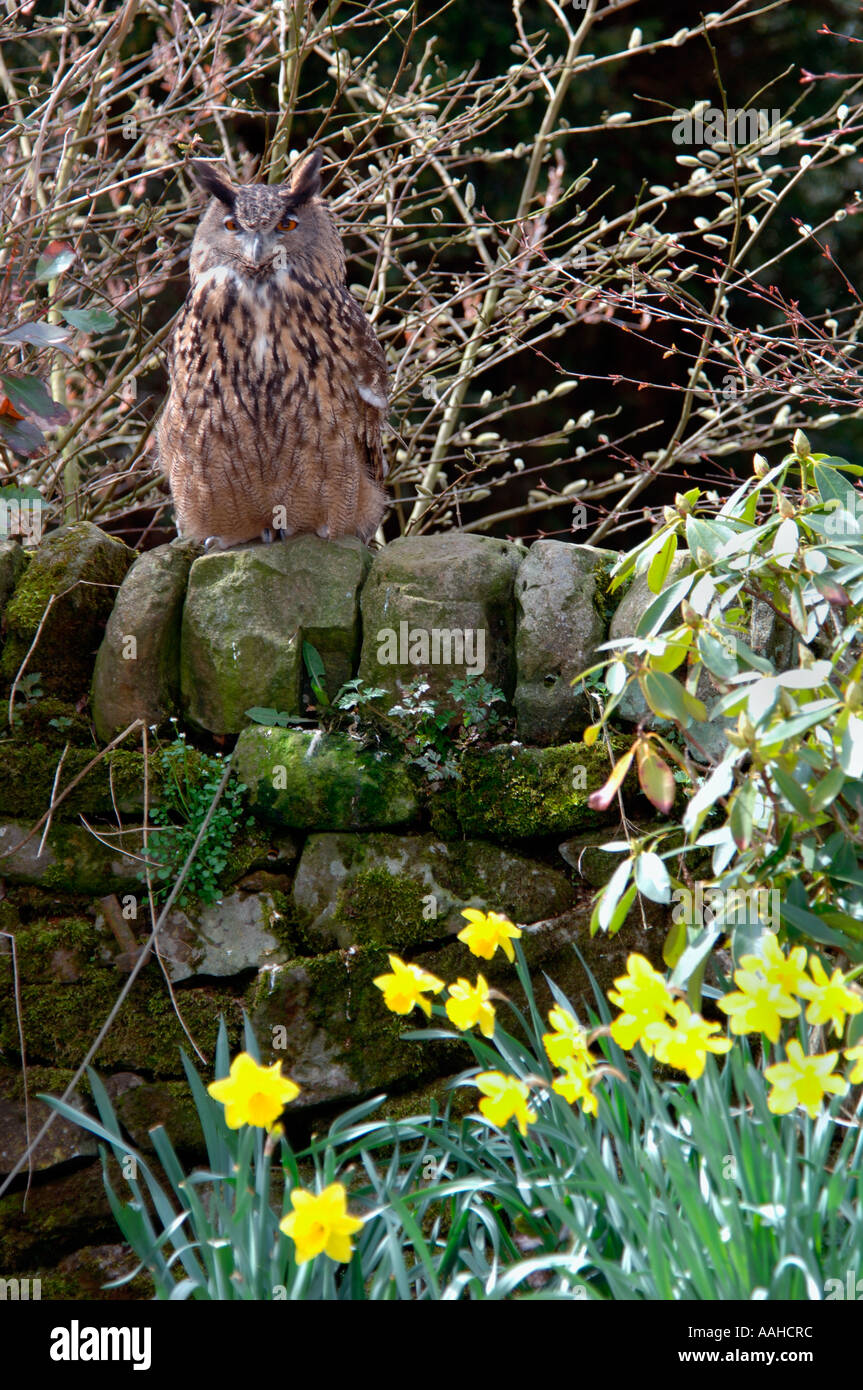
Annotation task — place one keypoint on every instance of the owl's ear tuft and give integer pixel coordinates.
(213, 181)
(306, 179)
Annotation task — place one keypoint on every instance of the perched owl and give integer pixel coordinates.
(278, 383)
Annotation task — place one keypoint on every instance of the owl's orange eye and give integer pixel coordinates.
(230, 224)
(287, 224)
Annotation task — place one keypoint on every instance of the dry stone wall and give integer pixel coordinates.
(344, 850)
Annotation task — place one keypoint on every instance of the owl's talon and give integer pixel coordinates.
(285, 532)
(214, 543)
(267, 535)
(323, 532)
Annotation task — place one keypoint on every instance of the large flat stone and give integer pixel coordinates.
(440, 607)
(316, 781)
(248, 612)
(398, 890)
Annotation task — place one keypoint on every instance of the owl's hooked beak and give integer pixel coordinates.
(254, 248)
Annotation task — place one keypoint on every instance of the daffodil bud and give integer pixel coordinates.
(786, 507)
(682, 504)
(670, 514)
(800, 444)
(689, 615)
(760, 466)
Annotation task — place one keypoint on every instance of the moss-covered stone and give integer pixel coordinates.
(325, 1018)
(145, 1104)
(223, 938)
(550, 951)
(64, 1141)
(314, 781)
(514, 792)
(441, 1093)
(137, 671)
(248, 612)
(58, 1218)
(404, 890)
(449, 585)
(114, 783)
(559, 627)
(13, 558)
(68, 988)
(50, 721)
(83, 1276)
(72, 859)
(82, 568)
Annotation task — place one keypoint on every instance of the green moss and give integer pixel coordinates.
(59, 1217)
(322, 781)
(83, 568)
(287, 928)
(115, 783)
(383, 909)
(60, 1017)
(369, 1037)
(514, 792)
(606, 602)
(333, 999)
(247, 849)
(33, 723)
(44, 949)
(168, 1103)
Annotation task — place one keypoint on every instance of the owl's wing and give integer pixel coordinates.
(368, 366)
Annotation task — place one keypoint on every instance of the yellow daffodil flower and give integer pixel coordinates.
(568, 1040)
(685, 1046)
(802, 1080)
(855, 1055)
(574, 1084)
(505, 1099)
(405, 988)
(252, 1094)
(486, 931)
(831, 999)
(759, 1007)
(644, 997)
(320, 1223)
(469, 1006)
(788, 972)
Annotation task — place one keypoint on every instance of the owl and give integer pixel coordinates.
(278, 385)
